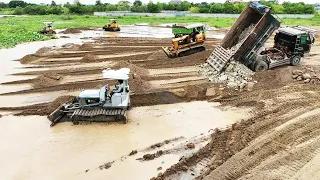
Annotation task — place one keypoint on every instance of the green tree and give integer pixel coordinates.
(123, 6)
(194, 9)
(53, 3)
(17, 3)
(111, 7)
(18, 10)
(67, 5)
(77, 2)
(137, 3)
(98, 3)
(153, 8)
(3, 5)
(183, 6)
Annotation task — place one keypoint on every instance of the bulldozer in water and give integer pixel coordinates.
(98, 105)
(48, 29)
(188, 40)
(112, 26)
(258, 24)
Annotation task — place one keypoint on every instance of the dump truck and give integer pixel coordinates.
(188, 40)
(246, 38)
(98, 105)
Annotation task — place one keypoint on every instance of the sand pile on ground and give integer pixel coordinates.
(158, 55)
(0, 115)
(46, 108)
(86, 46)
(71, 31)
(71, 46)
(155, 98)
(46, 80)
(195, 91)
(43, 51)
(271, 79)
(133, 68)
(137, 84)
(28, 58)
(88, 58)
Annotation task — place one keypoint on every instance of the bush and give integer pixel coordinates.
(18, 11)
(194, 9)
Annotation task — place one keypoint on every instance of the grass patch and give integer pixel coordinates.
(15, 30)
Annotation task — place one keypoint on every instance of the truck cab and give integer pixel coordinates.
(296, 40)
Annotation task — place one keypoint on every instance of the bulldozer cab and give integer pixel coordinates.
(112, 21)
(48, 24)
(180, 31)
(120, 96)
(296, 39)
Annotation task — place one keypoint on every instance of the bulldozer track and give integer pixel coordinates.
(97, 112)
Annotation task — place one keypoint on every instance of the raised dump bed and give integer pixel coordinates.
(247, 35)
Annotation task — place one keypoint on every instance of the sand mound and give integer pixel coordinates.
(274, 78)
(86, 46)
(158, 55)
(134, 68)
(137, 84)
(195, 91)
(71, 31)
(89, 58)
(28, 58)
(43, 51)
(46, 80)
(0, 115)
(47, 108)
(71, 46)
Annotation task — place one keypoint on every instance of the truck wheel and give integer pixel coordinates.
(260, 66)
(295, 60)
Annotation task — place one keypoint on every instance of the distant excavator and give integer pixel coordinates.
(188, 40)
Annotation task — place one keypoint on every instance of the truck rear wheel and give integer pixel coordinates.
(295, 60)
(260, 66)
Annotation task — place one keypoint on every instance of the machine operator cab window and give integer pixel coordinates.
(118, 88)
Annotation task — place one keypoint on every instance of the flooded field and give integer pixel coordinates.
(180, 125)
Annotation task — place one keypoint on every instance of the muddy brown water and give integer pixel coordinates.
(33, 150)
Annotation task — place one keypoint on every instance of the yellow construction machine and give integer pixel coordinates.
(188, 40)
(112, 26)
(48, 29)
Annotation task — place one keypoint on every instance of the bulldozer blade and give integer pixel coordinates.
(59, 113)
(167, 51)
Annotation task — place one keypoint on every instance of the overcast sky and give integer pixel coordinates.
(144, 1)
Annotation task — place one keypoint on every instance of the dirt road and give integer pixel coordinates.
(278, 136)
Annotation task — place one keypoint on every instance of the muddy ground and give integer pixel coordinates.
(279, 140)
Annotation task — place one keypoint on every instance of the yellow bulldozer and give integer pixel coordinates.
(112, 25)
(188, 40)
(48, 29)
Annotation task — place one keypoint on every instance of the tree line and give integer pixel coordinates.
(21, 7)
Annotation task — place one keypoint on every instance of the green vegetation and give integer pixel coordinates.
(14, 30)
(20, 7)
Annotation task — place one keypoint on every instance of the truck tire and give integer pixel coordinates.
(260, 66)
(295, 60)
